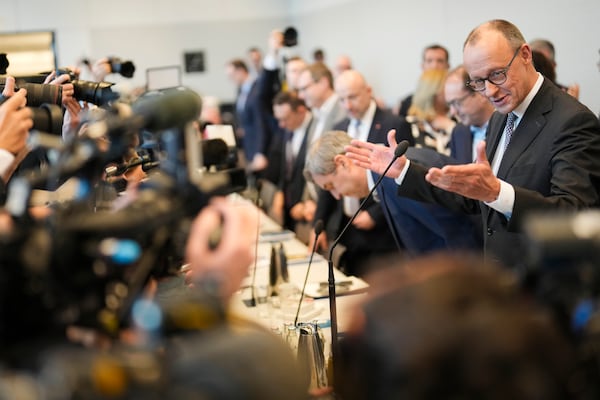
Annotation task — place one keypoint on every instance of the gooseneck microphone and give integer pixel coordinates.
(398, 152)
(318, 229)
(257, 186)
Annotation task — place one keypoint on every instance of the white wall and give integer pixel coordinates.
(384, 37)
(152, 33)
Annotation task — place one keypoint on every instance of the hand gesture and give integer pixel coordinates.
(376, 157)
(475, 181)
(68, 90)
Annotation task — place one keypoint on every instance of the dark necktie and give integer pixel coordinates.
(509, 128)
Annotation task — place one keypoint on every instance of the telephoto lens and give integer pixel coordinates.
(41, 93)
(98, 93)
(47, 118)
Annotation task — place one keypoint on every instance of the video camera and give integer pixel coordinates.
(83, 266)
(563, 274)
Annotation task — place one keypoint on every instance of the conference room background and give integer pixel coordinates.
(384, 37)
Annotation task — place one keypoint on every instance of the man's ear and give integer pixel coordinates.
(340, 160)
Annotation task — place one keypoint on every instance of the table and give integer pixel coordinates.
(298, 256)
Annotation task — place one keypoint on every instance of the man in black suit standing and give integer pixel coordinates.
(251, 127)
(296, 123)
(369, 233)
(542, 151)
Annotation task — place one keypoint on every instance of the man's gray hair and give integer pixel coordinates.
(321, 155)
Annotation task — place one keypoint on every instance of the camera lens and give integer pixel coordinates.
(40, 93)
(47, 118)
(98, 93)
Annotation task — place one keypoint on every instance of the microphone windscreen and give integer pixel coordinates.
(168, 109)
(401, 148)
(319, 227)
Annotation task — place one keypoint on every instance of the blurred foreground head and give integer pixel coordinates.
(447, 326)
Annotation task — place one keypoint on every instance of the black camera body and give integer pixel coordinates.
(124, 68)
(86, 267)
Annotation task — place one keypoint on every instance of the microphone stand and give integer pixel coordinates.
(258, 186)
(318, 230)
(398, 151)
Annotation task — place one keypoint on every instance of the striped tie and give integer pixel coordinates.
(509, 128)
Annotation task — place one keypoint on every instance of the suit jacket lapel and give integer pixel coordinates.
(299, 162)
(527, 130)
(375, 126)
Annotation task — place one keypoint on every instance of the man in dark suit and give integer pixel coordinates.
(296, 124)
(549, 160)
(252, 130)
(471, 109)
(420, 227)
(315, 86)
(369, 233)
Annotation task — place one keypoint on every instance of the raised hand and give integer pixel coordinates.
(376, 157)
(475, 181)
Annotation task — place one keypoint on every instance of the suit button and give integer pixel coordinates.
(490, 231)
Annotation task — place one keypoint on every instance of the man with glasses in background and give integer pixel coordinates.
(471, 109)
(543, 148)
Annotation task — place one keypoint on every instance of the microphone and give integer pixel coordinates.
(120, 169)
(168, 109)
(258, 187)
(398, 152)
(318, 229)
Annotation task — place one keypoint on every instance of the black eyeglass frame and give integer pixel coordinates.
(457, 103)
(497, 77)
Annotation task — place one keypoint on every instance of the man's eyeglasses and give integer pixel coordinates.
(456, 103)
(305, 87)
(495, 77)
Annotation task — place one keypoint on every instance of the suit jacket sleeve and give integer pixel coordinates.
(416, 187)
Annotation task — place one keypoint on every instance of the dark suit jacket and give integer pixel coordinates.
(425, 227)
(252, 120)
(405, 106)
(331, 211)
(3, 192)
(292, 185)
(461, 144)
(553, 163)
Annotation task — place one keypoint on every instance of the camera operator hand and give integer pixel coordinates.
(275, 42)
(68, 91)
(234, 252)
(15, 119)
(72, 118)
(100, 69)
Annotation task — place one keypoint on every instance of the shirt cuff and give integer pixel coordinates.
(6, 159)
(400, 178)
(505, 201)
(270, 62)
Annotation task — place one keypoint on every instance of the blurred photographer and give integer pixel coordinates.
(15, 123)
(108, 65)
